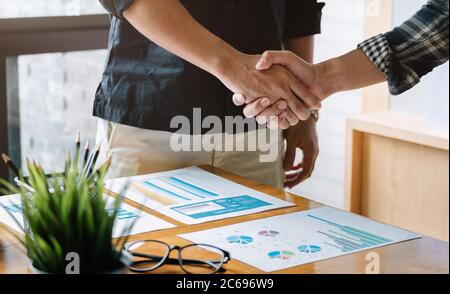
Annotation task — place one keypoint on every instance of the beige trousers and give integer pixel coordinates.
(136, 151)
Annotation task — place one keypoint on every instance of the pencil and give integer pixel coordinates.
(10, 164)
(94, 160)
(77, 150)
(86, 153)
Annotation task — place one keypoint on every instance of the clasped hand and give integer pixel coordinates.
(280, 90)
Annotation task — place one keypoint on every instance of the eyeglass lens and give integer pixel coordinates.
(201, 259)
(157, 251)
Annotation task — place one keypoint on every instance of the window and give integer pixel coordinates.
(55, 93)
(48, 79)
(37, 8)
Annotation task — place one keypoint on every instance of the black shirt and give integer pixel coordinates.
(145, 86)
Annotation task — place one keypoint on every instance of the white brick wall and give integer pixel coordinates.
(343, 29)
(56, 94)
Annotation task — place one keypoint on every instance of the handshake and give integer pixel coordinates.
(278, 88)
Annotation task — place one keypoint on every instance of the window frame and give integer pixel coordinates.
(36, 35)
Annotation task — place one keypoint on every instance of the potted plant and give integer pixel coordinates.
(70, 217)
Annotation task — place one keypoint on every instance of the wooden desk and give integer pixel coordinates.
(424, 255)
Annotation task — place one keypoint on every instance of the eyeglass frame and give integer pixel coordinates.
(171, 261)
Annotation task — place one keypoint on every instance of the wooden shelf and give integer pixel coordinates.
(400, 126)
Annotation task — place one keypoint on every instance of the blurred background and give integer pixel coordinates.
(46, 91)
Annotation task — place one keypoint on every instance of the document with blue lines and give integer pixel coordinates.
(144, 222)
(285, 241)
(192, 195)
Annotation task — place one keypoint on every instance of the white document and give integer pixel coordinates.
(192, 195)
(281, 242)
(145, 222)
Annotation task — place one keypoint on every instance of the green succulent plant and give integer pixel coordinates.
(74, 219)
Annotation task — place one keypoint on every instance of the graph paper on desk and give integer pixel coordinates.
(281, 242)
(192, 195)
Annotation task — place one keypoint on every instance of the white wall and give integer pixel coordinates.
(430, 98)
(343, 29)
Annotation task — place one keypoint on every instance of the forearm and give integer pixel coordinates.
(169, 24)
(351, 71)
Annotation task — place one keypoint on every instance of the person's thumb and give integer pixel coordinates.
(265, 62)
(289, 157)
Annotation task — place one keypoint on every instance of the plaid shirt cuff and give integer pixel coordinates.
(379, 52)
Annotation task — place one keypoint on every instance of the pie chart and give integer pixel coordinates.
(240, 239)
(281, 254)
(309, 248)
(267, 233)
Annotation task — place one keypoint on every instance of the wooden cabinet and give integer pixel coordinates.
(398, 172)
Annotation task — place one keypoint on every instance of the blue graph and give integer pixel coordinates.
(309, 248)
(347, 238)
(14, 208)
(188, 187)
(240, 239)
(178, 188)
(123, 214)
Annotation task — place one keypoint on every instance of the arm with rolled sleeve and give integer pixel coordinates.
(413, 49)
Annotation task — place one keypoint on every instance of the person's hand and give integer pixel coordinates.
(303, 71)
(302, 136)
(276, 83)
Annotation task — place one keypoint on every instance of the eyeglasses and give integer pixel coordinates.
(149, 255)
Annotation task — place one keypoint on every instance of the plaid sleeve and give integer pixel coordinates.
(413, 49)
(378, 50)
(116, 7)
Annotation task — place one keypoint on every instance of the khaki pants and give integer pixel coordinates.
(136, 151)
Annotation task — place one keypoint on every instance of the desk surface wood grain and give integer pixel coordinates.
(425, 255)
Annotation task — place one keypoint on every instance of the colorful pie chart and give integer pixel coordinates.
(309, 248)
(267, 233)
(240, 239)
(281, 254)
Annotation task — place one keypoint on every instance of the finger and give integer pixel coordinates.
(254, 108)
(274, 111)
(291, 118)
(301, 177)
(308, 164)
(291, 180)
(284, 124)
(294, 183)
(297, 106)
(292, 176)
(239, 99)
(289, 157)
(309, 100)
(298, 166)
(269, 58)
(279, 122)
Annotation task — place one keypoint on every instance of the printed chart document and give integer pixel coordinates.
(145, 222)
(192, 195)
(281, 242)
